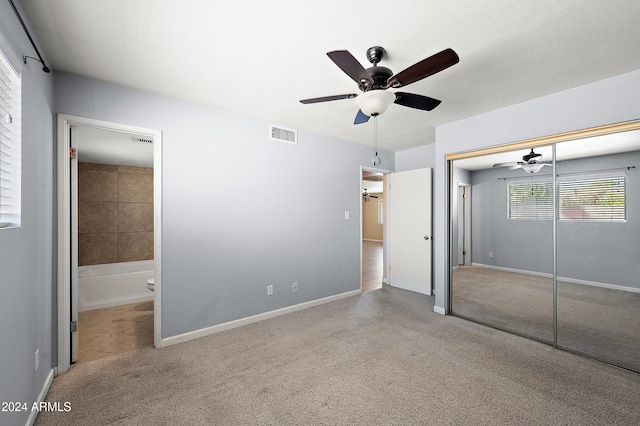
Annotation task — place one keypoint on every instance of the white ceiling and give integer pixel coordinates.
(96, 145)
(258, 58)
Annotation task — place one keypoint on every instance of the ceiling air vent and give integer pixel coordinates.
(143, 140)
(283, 135)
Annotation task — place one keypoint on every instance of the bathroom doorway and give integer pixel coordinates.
(111, 173)
(113, 195)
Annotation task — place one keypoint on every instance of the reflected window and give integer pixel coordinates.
(530, 200)
(594, 198)
(598, 198)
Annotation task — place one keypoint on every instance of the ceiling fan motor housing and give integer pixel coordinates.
(380, 75)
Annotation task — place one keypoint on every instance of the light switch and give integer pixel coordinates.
(346, 215)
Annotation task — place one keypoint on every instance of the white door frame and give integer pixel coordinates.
(384, 223)
(65, 122)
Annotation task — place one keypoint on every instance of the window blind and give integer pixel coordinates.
(598, 198)
(10, 140)
(590, 198)
(530, 200)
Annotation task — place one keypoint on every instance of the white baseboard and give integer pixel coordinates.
(563, 279)
(119, 302)
(169, 341)
(41, 396)
(439, 310)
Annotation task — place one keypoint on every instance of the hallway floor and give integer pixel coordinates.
(371, 265)
(109, 331)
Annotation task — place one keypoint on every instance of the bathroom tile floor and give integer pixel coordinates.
(371, 265)
(109, 331)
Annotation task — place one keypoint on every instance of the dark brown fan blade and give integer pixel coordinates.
(425, 68)
(412, 100)
(350, 66)
(328, 98)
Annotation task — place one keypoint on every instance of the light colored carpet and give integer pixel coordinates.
(597, 321)
(380, 358)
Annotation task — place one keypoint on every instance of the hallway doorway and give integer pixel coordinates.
(373, 228)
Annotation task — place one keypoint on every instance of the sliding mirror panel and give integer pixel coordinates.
(502, 241)
(598, 243)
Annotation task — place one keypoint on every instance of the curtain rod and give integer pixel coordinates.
(569, 174)
(45, 68)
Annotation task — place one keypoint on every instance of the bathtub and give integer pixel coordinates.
(113, 284)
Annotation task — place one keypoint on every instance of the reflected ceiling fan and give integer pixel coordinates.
(366, 197)
(529, 163)
(373, 82)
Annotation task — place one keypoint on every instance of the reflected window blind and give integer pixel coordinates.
(595, 198)
(530, 200)
(10, 140)
(588, 198)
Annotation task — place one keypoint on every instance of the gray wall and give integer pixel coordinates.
(491, 231)
(415, 158)
(26, 252)
(592, 251)
(564, 111)
(238, 211)
(603, 252)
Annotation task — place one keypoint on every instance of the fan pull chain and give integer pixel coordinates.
(375, 160)
(375, 135)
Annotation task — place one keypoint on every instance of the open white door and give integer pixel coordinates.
(409, 230)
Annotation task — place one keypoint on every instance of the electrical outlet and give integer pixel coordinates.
(270, 290)
(294, 287)
(37, 359)
(490, 254)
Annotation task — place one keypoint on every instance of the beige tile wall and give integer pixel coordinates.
(115, 213)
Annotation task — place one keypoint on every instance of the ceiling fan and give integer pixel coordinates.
(529, 163)
(366, 196)
(373, 82)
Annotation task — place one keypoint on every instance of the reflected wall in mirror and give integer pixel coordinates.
(506, 278)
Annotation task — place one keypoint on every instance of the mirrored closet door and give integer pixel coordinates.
(545, 242)
(598, 242)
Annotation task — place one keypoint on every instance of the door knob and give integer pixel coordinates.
(426, 237)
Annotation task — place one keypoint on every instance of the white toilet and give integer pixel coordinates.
(150, 283)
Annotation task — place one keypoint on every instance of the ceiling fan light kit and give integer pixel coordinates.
(529, 163)
(375, 102)
(532, 167)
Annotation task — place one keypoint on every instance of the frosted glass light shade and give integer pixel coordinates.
(375, 101)
(532, 168)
